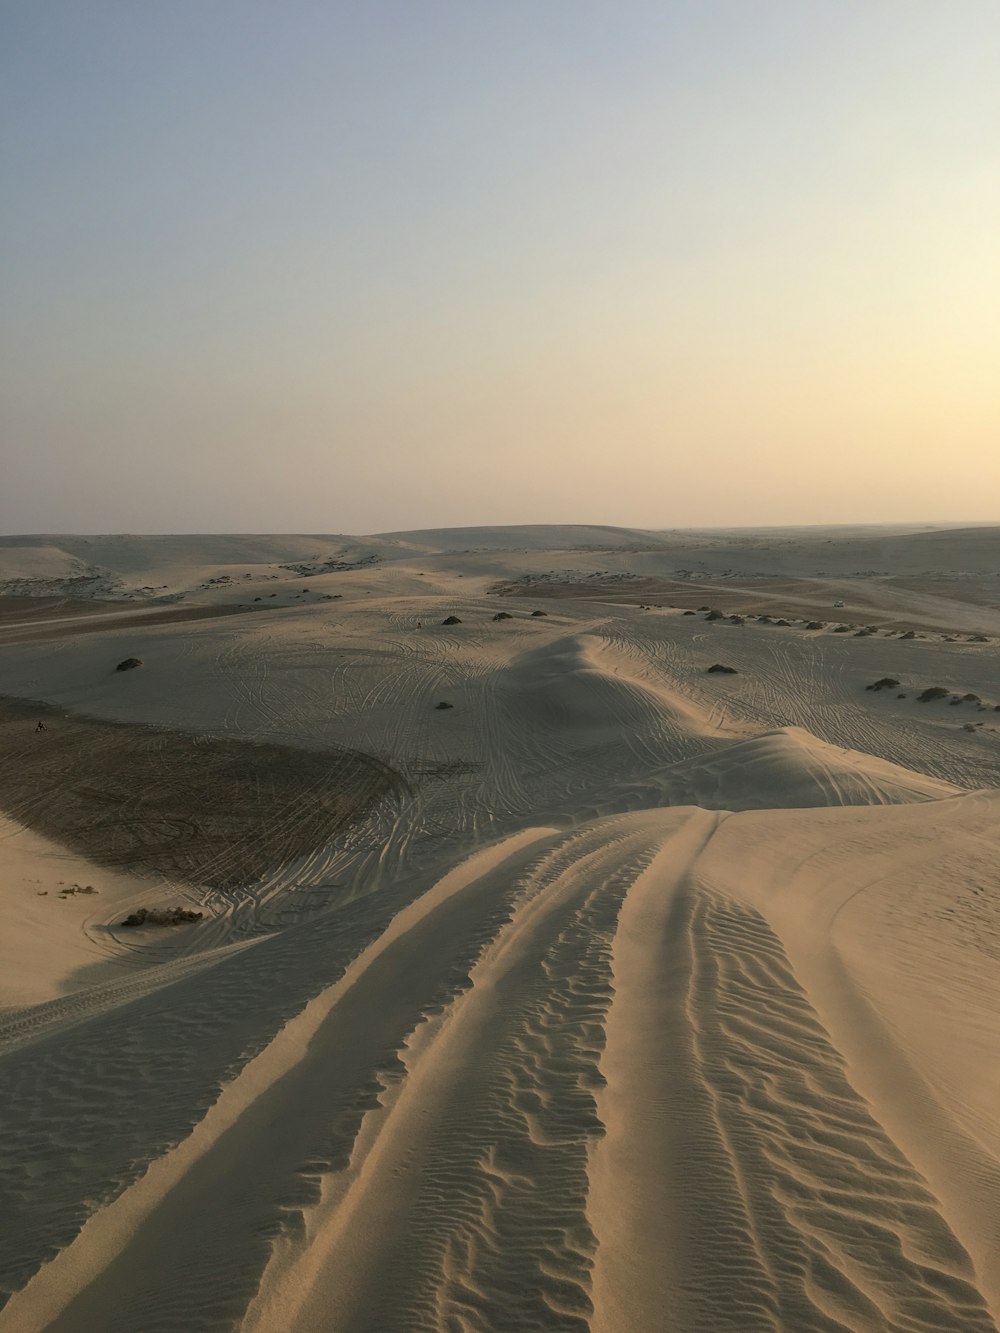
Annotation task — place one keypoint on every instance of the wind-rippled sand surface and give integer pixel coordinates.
(619, 996)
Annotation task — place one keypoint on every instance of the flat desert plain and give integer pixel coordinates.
(529, 973)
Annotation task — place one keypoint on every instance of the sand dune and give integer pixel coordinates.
(620, 995)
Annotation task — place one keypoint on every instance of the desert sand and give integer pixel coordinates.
(620, 995)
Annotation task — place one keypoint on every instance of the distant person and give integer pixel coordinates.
(40, 727)
(419, 626)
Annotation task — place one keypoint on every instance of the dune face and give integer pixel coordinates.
(620, 995)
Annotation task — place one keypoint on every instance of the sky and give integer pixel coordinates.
(337, 267)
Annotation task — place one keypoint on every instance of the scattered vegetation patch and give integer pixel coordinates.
(885, 683)
(932, 693)
(451, 620)
(503, 615)
(443, 704)
(162, 916)
(717, 666)
(539, 613)
(816, 624)
(715, 615)
(129, 664)
(209, 810)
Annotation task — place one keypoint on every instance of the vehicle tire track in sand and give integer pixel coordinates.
(263, 1148)
(735, 1136)
(467, 1209)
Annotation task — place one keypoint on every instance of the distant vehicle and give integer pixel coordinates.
(838, 603)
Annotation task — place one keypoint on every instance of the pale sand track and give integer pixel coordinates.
(643, 998)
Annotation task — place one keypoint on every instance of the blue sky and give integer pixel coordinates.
(319, 266)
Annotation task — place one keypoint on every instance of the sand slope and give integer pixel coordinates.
(618, 996)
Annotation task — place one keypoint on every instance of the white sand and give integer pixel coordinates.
(660, 999)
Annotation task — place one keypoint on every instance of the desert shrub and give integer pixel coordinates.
(932, 693)
(161, 916)
(885, 683)
(717, 666)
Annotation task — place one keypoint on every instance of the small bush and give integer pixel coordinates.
(161, 916)
(886, 683)
(729, 671)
